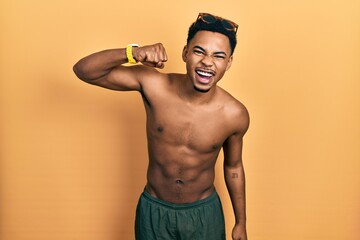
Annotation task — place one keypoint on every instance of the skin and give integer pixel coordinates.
(189, 118)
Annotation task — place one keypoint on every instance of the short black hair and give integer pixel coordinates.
(216, 26)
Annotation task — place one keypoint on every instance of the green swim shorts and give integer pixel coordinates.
(160, 220)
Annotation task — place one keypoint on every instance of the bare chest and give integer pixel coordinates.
(200, 129)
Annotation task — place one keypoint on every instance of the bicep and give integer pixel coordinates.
(234, 144)
(124, 78)
(232, 149)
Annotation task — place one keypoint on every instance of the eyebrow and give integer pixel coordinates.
(202, 49)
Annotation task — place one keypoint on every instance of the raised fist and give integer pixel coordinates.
(151, 55)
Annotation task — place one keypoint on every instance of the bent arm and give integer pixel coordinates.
(106, 68)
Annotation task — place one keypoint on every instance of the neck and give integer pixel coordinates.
(189, 93)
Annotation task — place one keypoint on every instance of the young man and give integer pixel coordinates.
(189, 119)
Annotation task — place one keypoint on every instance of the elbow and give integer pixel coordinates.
(78, 69)
(81, 71)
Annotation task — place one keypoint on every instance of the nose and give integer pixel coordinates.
(207, 60)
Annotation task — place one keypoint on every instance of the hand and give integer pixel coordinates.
(239, 232)
(151, 55)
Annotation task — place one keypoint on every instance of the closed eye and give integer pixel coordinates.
(219, 56)
(198, 52)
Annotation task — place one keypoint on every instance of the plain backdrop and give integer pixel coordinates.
(73, 156)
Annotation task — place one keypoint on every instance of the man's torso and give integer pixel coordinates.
(184, 140)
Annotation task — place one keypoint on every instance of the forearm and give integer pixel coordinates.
(235, 182)
(99, 64)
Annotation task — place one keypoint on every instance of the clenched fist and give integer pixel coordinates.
(151, 55)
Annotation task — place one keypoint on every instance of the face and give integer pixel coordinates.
(207, 57)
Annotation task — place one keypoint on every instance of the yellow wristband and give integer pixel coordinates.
(129, 55)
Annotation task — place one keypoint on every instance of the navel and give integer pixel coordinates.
(178, 181)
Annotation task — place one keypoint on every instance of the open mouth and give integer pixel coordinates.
(204, 75)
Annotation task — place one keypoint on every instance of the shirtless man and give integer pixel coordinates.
(189, 120)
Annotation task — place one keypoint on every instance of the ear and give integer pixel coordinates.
(229, 63)
(184, 53)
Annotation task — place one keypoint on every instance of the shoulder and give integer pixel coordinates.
(156, 86)
(235, 113)
(150, 77)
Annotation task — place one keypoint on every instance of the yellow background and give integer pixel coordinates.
(73, 156)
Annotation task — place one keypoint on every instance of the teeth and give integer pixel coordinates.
(205, 74)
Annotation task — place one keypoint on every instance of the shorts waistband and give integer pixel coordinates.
(211, 198)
